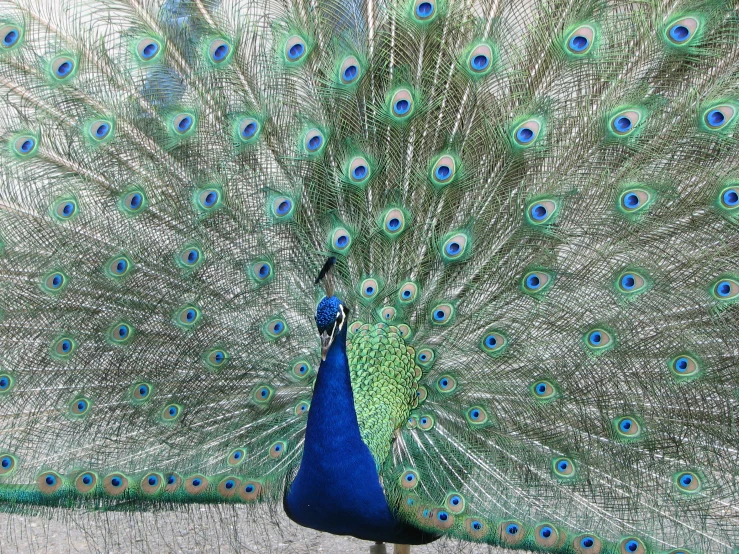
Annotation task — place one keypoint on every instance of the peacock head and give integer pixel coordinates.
(331, 316)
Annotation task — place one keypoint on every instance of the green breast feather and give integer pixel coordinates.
(384, 382)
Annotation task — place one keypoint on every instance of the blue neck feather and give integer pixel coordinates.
(337, 488)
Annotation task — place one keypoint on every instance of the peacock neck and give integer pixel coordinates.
(337, 488)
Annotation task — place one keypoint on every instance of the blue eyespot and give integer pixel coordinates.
(63, 67)
(533, 282)
(192, 256)
(295, 51)
(424, 9)
(723, 289)
(27, 145)
(512, 529)
(545, 532)
(171, 480)
(587, 542)
(87, 479)
(730, 197)
(149, 51)
(715, 118)
(480, 62)
(476, 525)
(539, 212)
(50, 480)
(11, 36)
(249, 130)
(183, 123)
(401, 107)
(622, 124)
(563, 465)
(350, 73)
(4, 382)
(578, 43)
(679, 33)
(443, 172)
(632, 546)
(525, 135)
(153, 480)
(595, 338)
(144, 391)
(219, 50)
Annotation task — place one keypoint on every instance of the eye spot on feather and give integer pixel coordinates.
(563, 468)
(446, 384)
(546, 535)
(140, 392)
(115, 484)
(426, 422)
(190, 257)
(476, 528)
(443, 171)
(476, 416)
(424, 10)
(64, 210)
(544, 390)
(24, 145)
(207, 200)
(340, 239)
(358, 170)
(49, 482)
(63, 67)
(393, 222)
(729, 198)
(172, 482)
(11, 36)
(215, 359)
(276, 328)
(494, 342)
(580, 40)
(86, 482)
(313, 141)
(282, 208)
(425, 357)
(277, 449)
(627, 428)
(527, 132)
(63, 348)
(219, 51)
(408, 292)
(480, 60)
(54, 282)
(681, 32)
(511, 532)
(151, 484)
(350, 70)
(148, 49)
(635, 200)
(368, 288)
(133, 202)
(6, 383)
(183, 123)
(229, 487)
(171, 413)
(455, 247)
(688, 482)
(443, 520)
(719, 116)
(79, 407)
(632, 545)
(118, 267)
(409, 479)
(726, 289)
(8, 463)
(248, 129)
(455, 503)
(631, 282)
(196, 484)
(263, 394)
(442, 314)
(100, 130)
(301, 369)
(121, 333)
(542, 212)
(250, 491)
(295, 49)
(188, 316)
(624, 122)
(598, 341)
(401, 104)
(301, 408)
(536, 282)
(587, 544)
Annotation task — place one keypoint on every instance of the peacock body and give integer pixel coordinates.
(526, 332)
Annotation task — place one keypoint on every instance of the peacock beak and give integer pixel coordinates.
(326, 341)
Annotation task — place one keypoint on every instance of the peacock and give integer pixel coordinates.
(404, 269)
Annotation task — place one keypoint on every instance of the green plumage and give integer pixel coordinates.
(533, 207)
